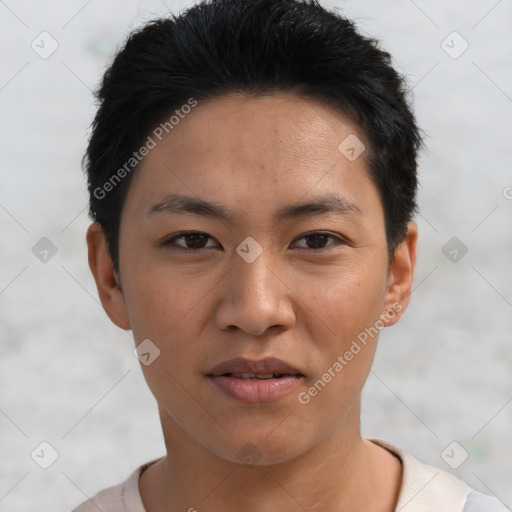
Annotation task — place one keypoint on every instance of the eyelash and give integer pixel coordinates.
(170, 242)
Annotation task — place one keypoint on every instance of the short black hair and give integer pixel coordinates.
(257, 47)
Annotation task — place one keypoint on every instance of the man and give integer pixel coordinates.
(252, 174)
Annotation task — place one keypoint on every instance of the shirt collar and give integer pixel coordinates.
(426, 488)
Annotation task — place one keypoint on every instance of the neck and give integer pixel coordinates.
(342, 472)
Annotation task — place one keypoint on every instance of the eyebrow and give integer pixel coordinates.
(179, 204)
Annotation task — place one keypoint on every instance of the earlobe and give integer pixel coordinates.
(107, 280)
(401, 276)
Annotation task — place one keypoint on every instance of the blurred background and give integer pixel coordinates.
(75, 413)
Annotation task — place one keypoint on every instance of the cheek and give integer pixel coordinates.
(343, 310)
(348, 299)
(165, 308)
(162, 311)
(158, 304)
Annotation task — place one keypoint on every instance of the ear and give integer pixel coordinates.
(400, 277)
(107, 280)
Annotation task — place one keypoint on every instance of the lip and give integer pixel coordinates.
(243, 365)
(255, 390)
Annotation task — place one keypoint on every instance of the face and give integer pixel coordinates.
(286, 267)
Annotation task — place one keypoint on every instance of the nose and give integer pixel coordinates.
(256, 297)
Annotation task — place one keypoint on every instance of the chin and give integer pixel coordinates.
(262, 446)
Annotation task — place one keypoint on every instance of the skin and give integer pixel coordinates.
(305, 306)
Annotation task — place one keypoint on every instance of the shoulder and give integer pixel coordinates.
(428, 488)
(107, 500)
(124, 497)
(479, 502)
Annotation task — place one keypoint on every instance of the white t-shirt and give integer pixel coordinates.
(424, 489)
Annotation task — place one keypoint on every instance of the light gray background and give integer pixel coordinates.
(68, 376)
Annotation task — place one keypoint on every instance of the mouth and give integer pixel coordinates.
(242, 368)
(258, 376)
(254, 382)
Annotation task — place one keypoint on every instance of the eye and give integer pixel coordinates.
(193, 240)
(196, 241)
(318, 240)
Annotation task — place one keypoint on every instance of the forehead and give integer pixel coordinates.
(236, 146)
(242, 127)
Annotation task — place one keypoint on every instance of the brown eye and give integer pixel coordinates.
(193, 240)
(319, 240)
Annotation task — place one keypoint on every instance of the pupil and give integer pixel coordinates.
(196, 238)
(319, 237)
